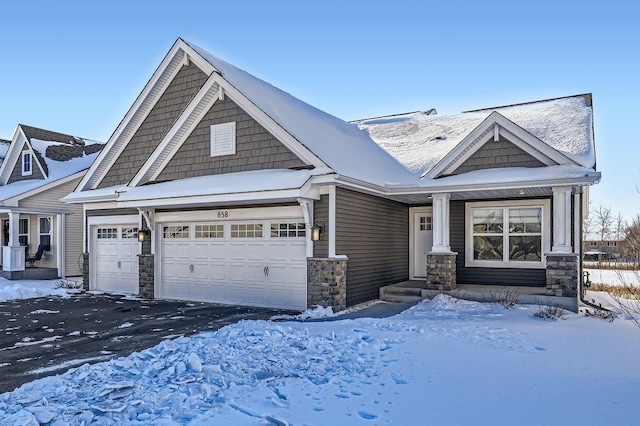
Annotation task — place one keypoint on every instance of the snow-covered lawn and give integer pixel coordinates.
(442, 362)
(27, 289)
(614, 277)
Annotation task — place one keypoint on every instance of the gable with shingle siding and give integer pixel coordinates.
(498, 154)
(173, 101)
(256, 148)
(16, 173)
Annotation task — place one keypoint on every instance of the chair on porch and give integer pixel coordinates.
(36, 257)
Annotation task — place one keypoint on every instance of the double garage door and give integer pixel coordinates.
(253, 261)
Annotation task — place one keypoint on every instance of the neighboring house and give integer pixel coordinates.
(40, 167)
(4, 146)
(595, 249)
(244, 194)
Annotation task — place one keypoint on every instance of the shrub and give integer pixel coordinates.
(549, 311)
(505, 298)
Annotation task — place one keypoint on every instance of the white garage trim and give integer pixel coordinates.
(235, 257)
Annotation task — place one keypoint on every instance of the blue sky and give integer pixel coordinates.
(77, 66)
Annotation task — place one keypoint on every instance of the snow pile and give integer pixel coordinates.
(28, 289)
(441, 362)
(316, 312)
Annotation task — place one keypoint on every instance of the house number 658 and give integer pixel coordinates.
(223, 214)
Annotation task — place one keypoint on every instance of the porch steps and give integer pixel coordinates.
(401, 293)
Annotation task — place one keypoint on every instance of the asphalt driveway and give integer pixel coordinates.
(47, 336)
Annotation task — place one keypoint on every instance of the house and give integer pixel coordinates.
(39, 168)
(244, 194)
(597, 248)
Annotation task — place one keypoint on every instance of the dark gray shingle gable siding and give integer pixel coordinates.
(173, 101)
(256, 148)
(498, 154)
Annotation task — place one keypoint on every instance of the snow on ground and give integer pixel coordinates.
(614, 277)
(28, 289)
(444, 361)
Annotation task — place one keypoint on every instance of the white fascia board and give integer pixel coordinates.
(112, 220)
(118, 141)
(256, 113)
(16, 198)
(582, 181)
(33, 210)
(178, 134)
(259, 196)
(9, 163)
(270, 125)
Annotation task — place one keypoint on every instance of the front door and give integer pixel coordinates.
(422, 241)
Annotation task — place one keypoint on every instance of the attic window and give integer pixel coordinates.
(26, 163)
(223, 139)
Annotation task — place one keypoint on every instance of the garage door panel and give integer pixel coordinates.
(265, 271)
(115, 260)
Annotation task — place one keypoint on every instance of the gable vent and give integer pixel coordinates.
(223, 139)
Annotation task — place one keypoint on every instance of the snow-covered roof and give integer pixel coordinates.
(230, 183)
(340, 145)
(420, 141)
(59, 154)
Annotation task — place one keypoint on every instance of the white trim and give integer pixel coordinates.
(577, 231)
(12, 154)
(412, 255)
(60, 244)
(142, 106)
(332, 222)
(285, 212)
(50, 229)
(482, 134)
(545, 204)
(23, 163)
(224, 133)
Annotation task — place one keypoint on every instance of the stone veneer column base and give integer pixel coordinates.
(85, 271)
(562, 274)
(146, 276)
(441, 271)
(327, 282)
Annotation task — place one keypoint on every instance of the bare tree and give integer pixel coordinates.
(603, 222)
(631, 242)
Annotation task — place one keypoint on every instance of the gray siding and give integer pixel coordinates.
(374, 234)
(255, 147)
(491, 276)
(16, 173)
(163, 115)
(497, 154)
(73, 227)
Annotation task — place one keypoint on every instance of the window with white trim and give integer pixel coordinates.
(44, 231)
(107, 233)
(128, 233)
(209, 231)
(26, 163)
(288, 230)
(176, 231)
(223, 139)
(507, 234)
(246, 230)
(23, 231)
(425, 223)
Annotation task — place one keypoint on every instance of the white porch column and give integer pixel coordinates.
(60, 244)
(562, 220)
(441, 223)
(307, 213)
(13, 254)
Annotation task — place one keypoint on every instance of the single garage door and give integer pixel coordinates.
(255, 263)
(116, 250)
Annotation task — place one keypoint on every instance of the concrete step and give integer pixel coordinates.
(400, 298)
(409, 291)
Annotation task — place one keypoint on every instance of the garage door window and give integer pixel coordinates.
(107, 233)
(246, 230)
(288, 230)
(209, 231)
(176, 231)
(129, 233)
